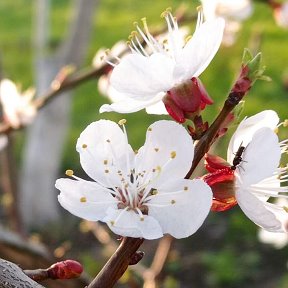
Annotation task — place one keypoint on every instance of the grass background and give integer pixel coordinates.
(228, 252)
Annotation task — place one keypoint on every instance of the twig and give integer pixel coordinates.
(150, 275)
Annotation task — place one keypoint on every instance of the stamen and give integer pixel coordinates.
(113, 222)
(83, 199)
(173, 154)
(140, 214)
(84, 146)
(69, 172)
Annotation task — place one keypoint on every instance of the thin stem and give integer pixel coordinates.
(117, 264)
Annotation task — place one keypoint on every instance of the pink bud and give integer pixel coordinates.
(65, 270)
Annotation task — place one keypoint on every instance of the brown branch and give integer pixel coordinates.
(117, 264)
(12, 276)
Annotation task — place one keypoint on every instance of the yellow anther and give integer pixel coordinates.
(105, 162)
(169, 9)
(135, 152)
(285, 208)
(188, 38)
(84, 146)
(165, 41)
(112, 223)
(156, 149)
(285, 123)
(276, 130)
(83, 199)
(143, 19)
(158, 168)
(149, 129)
(154, 192)
(102, 57)
(163, 14)
(128, 43)
(134, 33)
(69, 172)
(173, 154)
(135, 23)
(173, 201)
(185, 188)
(199, 8)
(122, 122)
(107, 52)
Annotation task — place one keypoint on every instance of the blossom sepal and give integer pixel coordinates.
(222, 184)
(186, 100)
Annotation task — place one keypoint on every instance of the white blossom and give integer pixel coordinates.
(144, 78)
(18, 108)
(234, 12)
(138, 194)
(258, 176)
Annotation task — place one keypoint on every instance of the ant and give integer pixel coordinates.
(238, 157)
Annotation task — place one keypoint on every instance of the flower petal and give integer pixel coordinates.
(129, 224)
(85, 199)
(183, 212)
(104, 151)
(264, 214)
(248, 127)
(129, 105)
(200, 49)
(260, 158)
(157, 108)
(143, 76)
(168, 149)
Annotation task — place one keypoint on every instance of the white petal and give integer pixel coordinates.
(129, 224)
(260, 158)
(200, 49)
(264, 214)
(143, 76)
(164, 140)
(85, 199)
(157, 108)
(130, 105)
(248, 127)
(190, 208)
(104, 151)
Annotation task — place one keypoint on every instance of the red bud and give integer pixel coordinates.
(65, 270)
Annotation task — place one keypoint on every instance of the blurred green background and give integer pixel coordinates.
(225, 252)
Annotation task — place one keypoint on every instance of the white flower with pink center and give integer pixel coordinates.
(145, 78)
(138, 194)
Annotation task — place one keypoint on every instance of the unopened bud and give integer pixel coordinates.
(136, 257)
(65, 270)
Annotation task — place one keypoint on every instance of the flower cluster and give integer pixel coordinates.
(145, 193)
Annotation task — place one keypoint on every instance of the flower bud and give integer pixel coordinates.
(65, 270)
(186, 98)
